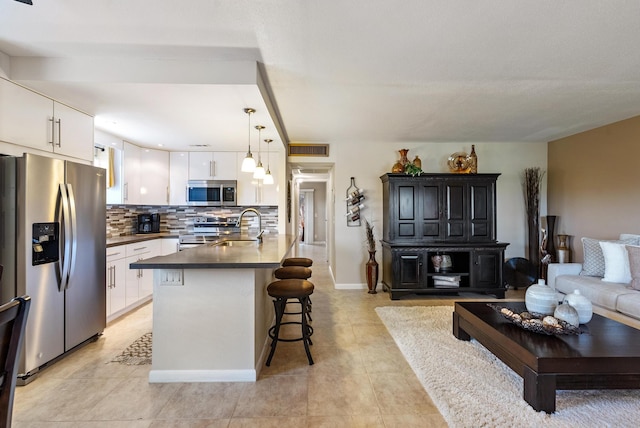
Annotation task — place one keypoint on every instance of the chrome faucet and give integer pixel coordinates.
(253, 210)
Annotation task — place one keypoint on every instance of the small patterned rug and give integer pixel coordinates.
(138, 353)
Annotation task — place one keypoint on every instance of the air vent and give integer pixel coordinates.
(308, 149)
(199, 145)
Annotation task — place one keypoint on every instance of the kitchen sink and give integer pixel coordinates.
(237, 243)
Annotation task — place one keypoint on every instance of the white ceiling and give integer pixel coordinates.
(180, 72)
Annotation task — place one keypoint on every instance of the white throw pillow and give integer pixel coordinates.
(616, 263)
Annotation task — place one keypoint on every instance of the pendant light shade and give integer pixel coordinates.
(258, 172)
(268, 178)
(249, 163)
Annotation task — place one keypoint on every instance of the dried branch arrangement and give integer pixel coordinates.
(532, 183)
(371, 240)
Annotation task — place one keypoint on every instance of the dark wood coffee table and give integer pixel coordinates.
(605, 356)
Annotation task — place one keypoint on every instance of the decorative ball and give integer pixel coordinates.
(568, 314)
(581, 304)
(540, 298)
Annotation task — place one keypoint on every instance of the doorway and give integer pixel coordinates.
(307, 216)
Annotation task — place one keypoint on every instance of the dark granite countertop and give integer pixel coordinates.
(269, 254)
(132, 239)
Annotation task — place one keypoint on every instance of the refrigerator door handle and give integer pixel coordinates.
(73, 241)
(67, 262)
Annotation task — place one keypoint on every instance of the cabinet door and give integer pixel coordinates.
(410, 265)
(487, 268)
(154, 177)
(168, 246)
(225, 165)
(132, 292)
(406, 224)
(25, 117)
(131, 173)
(116, 285)
(482, 212)
(201, 166)
(178, 177)
(73, 132)
(431, 196)
(213, 166)
(247, 190)
(455, 211)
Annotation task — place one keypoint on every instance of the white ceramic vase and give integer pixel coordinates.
(567, 313)
(581, 304)
(540, 298)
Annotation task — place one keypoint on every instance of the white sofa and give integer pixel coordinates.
(611, 299)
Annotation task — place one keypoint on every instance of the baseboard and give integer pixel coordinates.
(351, 286)
(175, 376)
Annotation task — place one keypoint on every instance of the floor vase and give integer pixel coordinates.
(551, 238)
(372, 273)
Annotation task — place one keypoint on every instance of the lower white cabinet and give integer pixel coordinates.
(116, 279)
(168, 246)
(128, 288)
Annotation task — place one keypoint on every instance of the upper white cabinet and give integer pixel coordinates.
(131, 174)
(213, 166)
(252, 191)
(178, 177)
(154, 177)
(145, 176)
(32, 120)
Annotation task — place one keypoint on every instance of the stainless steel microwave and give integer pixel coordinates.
(213, 193)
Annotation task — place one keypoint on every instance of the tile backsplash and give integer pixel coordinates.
(122, 219)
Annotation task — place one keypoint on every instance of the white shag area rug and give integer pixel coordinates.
(472, 388)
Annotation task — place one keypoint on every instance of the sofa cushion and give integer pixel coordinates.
(616, 262)
(634, 266)
(593, 259)
(630, 305)
(604, 294)
(630, 237)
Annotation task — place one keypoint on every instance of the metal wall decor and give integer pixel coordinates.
(354, 199)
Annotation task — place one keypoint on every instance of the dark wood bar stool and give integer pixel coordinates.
(297, 261)
(281, 291)
(295, 272)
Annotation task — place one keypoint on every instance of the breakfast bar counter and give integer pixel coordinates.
(211, 311)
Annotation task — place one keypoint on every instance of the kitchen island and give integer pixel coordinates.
(211, 311)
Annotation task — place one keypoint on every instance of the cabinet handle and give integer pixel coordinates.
(138, 249)
(212, 168)
(126, 191)
(59, 122)
(53, 130)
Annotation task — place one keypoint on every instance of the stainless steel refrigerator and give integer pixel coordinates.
(53, 249)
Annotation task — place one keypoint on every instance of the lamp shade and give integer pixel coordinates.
(259, 173)
(268, 178)
(248, 163)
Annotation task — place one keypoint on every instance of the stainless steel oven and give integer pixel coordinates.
(207, 229)
(213, 193)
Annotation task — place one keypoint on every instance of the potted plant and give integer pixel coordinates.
(372, 265)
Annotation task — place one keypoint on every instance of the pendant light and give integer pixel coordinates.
(268, 178)
(258, 173)
(249, 163)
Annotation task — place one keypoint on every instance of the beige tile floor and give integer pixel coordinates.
(359, 378)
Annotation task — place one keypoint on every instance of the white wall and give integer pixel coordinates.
(368, 161)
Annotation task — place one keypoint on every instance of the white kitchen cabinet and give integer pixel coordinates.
(30, 119)
(131, 174)
(168, 246)
(116, 280)
(213, 166)
(154, 177)
(140, 281)
(178, 177)
(254, 192)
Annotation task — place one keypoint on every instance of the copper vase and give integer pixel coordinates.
(372, 273)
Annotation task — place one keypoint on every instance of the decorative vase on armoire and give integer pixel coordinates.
(551, 239)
